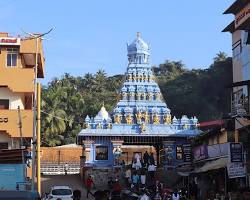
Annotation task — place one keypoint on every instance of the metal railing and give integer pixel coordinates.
(60, 169)
(240, 108)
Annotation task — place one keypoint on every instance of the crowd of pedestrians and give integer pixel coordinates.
(139, 178)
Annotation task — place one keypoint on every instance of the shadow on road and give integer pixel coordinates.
(72, 181)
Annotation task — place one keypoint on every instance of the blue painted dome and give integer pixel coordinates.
(138, 46)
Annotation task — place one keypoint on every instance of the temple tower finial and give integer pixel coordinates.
(138, 34)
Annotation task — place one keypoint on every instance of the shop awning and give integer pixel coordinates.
(211, 165)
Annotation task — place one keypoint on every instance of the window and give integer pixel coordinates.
(237, 49)
(101, 153)
(12, 55)
(179, 153)
(3, 145)
(61, 192)
(4, 104)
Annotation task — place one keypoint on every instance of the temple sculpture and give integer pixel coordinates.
(140, 117)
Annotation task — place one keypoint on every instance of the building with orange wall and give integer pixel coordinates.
(17, 74)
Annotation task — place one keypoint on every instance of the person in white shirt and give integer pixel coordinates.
(144, 196)
(151, 171)
(175, 196)
(143, 178)
(128, 175)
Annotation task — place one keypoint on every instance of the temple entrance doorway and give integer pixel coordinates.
(129, 152)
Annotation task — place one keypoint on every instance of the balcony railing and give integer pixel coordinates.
(240, 108)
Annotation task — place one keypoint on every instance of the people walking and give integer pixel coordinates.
(145, 159)
(143, 177)
(128, 176)
(77, 195)
(117, 188)
(151, 172)
(66, 168)
(136, 162)
(175, 195)
(144, 196)
(89, 186)
(135, 180)
(151, 159)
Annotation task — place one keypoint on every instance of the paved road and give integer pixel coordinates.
(72, 181)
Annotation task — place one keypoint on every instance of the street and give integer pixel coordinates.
(72, 181)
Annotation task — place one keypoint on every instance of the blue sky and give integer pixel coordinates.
(92, 35)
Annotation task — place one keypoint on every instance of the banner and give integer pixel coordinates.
(235, 170)
(200, 152)
(236, 152)
(6, 41)
(187, 153)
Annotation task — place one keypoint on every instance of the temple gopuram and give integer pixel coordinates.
(141, 121)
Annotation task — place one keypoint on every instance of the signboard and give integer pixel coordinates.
(235, 170)
(179, 152)
(4, 119)
(200, 152)
(10, 174)
(187, 153)
(242, 16)
(236, 152)
(169, 154)
(7, 41)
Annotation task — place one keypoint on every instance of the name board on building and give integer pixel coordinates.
(242, 16)
(6, 41)
(235, 170)
(187, 153)
(236, 152)
(200, 152)
(4, 119)
(169, 154)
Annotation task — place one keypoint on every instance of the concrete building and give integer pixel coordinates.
(240, 30)
(17, 62)
(141, 121)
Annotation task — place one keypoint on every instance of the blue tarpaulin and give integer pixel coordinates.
(10, 175)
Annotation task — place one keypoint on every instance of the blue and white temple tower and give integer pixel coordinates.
(140, 117)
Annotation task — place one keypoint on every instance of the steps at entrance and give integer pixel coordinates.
(170, 178)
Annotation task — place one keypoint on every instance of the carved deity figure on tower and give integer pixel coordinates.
(143, 127)
(156, 119)
(138, 117)
(158, 96)
(138, 95)
(124, 95)
(117, 119)
(86, 125)
(99, 126)
(132, 95)
(129, 119)
(130, 77)
(146, 117)
(167, 119)
(150, 96)
(133, 77)
(142, 96)
(109, 126)
(140, 78)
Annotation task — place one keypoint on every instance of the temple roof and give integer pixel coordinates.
(138, 46)
(141, 108)
(103, 114)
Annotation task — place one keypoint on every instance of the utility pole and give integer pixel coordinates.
(36, 37)
(21, 138)
(38, 137)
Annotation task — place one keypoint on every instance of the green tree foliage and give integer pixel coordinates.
(198, 92)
